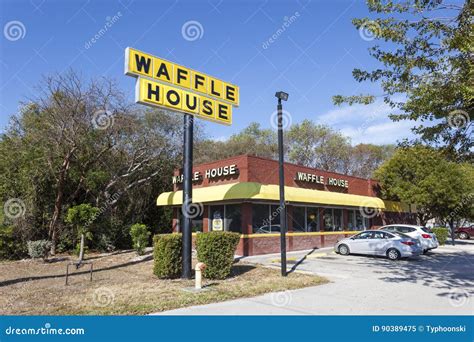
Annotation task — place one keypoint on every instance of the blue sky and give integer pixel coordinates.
(312, 59)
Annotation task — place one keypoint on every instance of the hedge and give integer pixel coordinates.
(167, 255)
(441, 234)
(216, 250)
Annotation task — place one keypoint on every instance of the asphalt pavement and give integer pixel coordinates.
(438, 283)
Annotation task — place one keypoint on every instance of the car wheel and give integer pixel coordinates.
(393, 254)
(425, 251)
(343, 250)
(463, 236)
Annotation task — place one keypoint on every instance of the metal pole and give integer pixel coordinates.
(282, 191)
(187, 195)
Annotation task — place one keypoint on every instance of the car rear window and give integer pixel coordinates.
(401, 235)
(426, 230)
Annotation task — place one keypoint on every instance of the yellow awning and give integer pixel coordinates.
(257, 191)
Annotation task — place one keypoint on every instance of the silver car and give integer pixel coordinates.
(375, 242)
(426, 237)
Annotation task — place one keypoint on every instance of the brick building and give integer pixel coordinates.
(241, 194)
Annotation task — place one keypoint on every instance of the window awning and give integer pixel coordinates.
(257, 191)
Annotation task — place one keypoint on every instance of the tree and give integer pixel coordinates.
(252, 140)
(80, 217)
(366, 158)
(426, 69)
(318, 146)
(81, 142)
(424, 177)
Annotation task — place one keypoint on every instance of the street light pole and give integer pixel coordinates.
(187, 196)
(282, 96)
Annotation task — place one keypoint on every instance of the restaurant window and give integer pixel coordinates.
(328, 220)
(360, 222)
(233, 221)
(298, 218)
(338, 221)
(312, 219)
(216, 218)
(275, 211)
(351, 223)
(261, 218)
(196, 222)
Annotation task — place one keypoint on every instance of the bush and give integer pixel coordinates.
(38, 249)
(140, 235)
(11, 248)
(441, 234)
(216, 250)
(167, 255)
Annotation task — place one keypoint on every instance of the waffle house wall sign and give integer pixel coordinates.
(161, 83)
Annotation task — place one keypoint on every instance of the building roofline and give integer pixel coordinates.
(248, 155)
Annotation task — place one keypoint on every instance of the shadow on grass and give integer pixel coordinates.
(26, 279)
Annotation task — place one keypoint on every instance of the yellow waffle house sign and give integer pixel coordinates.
(161, 83)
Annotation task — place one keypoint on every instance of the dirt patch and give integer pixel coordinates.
(124, 284)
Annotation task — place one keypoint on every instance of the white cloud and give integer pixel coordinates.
(367, 123)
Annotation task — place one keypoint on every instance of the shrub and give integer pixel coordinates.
(10, 247)
(441, 234)
(216, 250)
(140, 235)
(38, 248)
(167, 255)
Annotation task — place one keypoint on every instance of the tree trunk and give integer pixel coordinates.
(58, 203)
(81, 252)
(451, 227)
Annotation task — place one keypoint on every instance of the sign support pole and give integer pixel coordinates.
(187, 195)
(282, 191)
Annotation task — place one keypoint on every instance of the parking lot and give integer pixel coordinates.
(439, 283)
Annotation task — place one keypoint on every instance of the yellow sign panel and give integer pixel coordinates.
(140, 64)
(157, 94)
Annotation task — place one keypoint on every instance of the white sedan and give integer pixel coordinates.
(426, 237)
(375, 242)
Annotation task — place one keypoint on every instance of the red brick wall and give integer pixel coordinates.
(265, 171)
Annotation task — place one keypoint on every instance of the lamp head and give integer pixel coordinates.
(282, 95)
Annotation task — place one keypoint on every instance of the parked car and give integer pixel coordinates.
(427, 238)
(274, 228)
(376, 242)
(465, 232)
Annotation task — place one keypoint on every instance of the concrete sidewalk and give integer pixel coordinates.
(439, 283)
